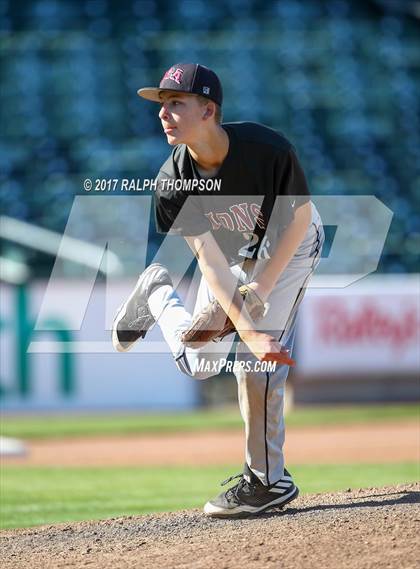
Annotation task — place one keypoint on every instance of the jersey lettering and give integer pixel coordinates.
(215, 225)
(242, 217)
(258, 216)
(226, 220)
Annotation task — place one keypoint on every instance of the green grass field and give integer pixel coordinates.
(53, 426)
(33, 496)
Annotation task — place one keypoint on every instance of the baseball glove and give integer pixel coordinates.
(212, 323)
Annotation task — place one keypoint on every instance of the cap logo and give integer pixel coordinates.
(206, 90)
(175, 74)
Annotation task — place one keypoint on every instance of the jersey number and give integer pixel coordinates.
(248, 250)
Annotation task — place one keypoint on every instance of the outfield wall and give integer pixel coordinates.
(360, 343)
(71, 363)
(356, 343)
(370, 327)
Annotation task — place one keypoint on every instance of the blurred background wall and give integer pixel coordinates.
(341, 79)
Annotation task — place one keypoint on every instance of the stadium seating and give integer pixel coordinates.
(341, 79)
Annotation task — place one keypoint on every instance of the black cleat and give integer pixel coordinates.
(250, 496)
(134, 318)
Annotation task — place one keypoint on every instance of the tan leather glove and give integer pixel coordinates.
(212, 323)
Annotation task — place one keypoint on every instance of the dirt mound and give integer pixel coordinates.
(369, 528)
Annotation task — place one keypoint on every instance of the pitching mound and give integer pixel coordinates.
(369, 528)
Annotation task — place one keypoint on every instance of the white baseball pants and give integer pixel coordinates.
(260, 393)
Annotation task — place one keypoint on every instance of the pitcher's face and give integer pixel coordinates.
(182, 117)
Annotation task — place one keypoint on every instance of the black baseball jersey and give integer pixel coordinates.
(241, 209)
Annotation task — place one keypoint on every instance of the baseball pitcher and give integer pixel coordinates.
(258, 239)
